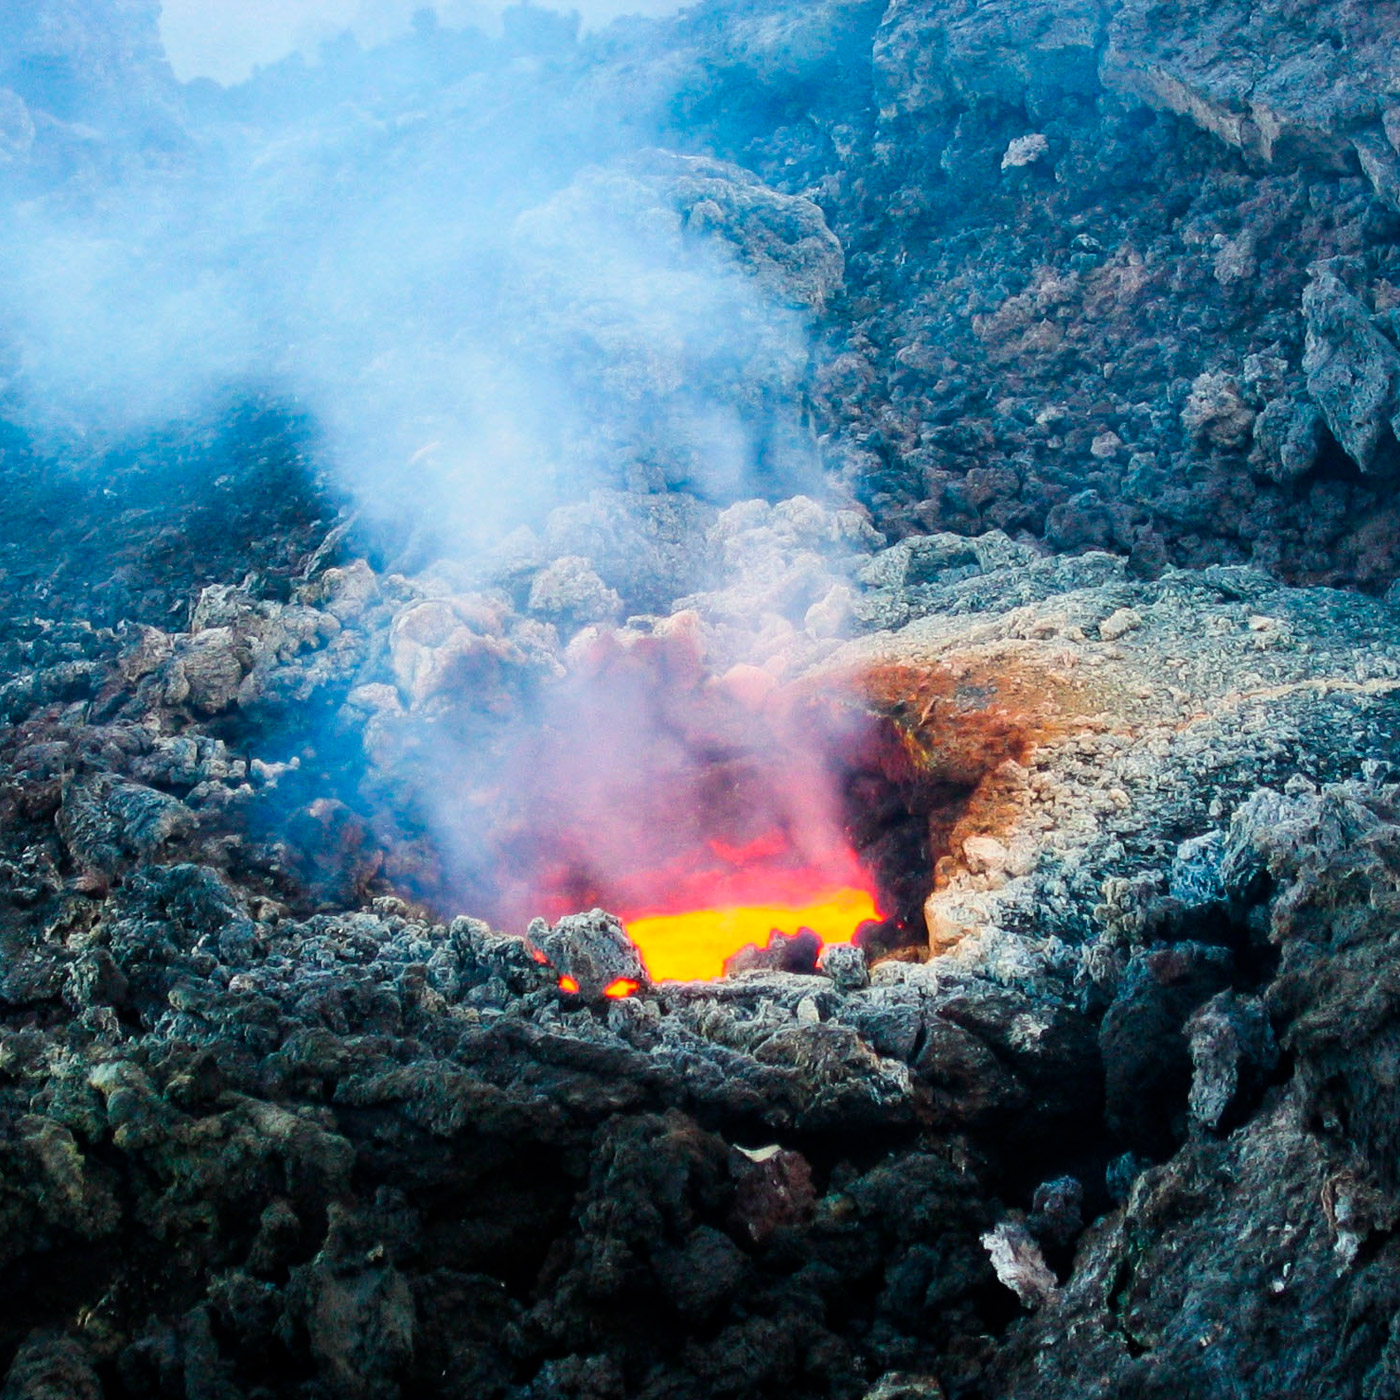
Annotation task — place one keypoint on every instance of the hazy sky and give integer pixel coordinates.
(225, 39)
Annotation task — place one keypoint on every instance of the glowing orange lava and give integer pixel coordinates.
(694, 946)
(623, 987)
(568, 984)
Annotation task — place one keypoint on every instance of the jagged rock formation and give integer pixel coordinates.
(1084, 320)
(1146, 711)
(1077, 241)
(1302, 1190)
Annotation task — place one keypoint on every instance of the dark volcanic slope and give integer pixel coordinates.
(1119, 276)
(1076, 275)
(1036, 303)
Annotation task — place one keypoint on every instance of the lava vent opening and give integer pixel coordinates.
(730, 821)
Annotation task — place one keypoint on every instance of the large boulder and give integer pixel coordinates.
(1353, 372)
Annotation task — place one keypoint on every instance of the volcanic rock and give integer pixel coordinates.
(1352, 370)
(1290, 100)
(569, 590)
(783, 241)
(1057, 1211)
(593, 950)
(1145, 1047)
(1067, 739)
(1232, 1055)
(1011, 386)
(898, 1385)
(1017, 1259)
(846, 965)
(52, 1367)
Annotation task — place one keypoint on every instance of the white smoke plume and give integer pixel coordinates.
(483, 306)
(226, 40)
(469, 261)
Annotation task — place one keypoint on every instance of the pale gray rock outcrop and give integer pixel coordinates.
(1353, 371)
(930, 57)
(1287, 81)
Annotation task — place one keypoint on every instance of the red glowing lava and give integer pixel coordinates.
(704, 816)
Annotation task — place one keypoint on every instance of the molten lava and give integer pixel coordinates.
(706, 815)
(695, 945)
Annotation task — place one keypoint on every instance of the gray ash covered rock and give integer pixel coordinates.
(322, 1132)
(593, 951)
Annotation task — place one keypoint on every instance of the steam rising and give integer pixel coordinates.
(484, 309)
(492, 292)
(647, 786)
(226, 42)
